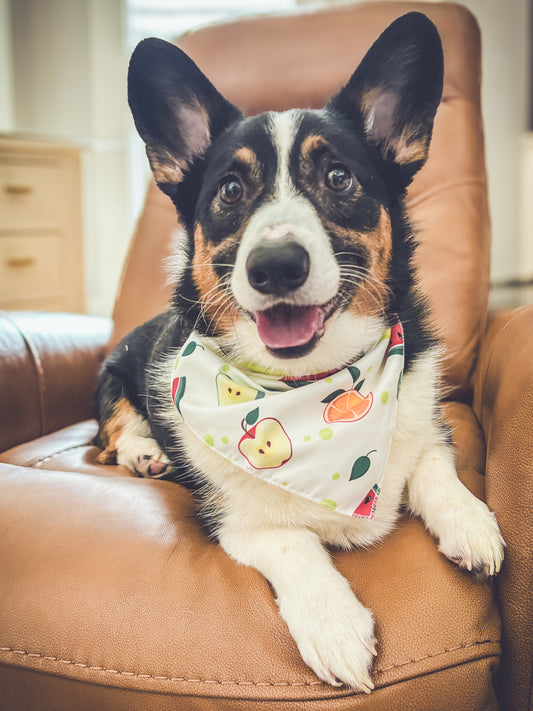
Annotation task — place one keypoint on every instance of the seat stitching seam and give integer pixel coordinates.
(36, 655)
(445, 187)
(55, 454)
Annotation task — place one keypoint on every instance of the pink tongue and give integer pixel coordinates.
(287, 326)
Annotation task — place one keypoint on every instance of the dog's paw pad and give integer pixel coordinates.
(153, 466)
(143, 456)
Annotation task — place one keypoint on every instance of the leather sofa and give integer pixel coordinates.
(111, 594)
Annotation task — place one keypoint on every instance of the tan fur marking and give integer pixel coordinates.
(407, 147)
(217, 305)
(246, 156)
(164, 167)
(111, 430)
(311, 143)
(371, 297)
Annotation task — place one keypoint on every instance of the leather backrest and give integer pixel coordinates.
(301, 60)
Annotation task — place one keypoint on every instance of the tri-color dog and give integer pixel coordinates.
(293, 380)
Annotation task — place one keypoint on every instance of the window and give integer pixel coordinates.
(169, 18)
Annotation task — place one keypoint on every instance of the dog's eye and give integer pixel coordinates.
(230, 190)
(339, 178)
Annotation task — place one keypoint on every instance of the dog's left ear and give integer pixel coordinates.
(394, 93)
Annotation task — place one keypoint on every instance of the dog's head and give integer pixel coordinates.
(299, 251)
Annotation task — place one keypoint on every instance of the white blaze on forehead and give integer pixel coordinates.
(287, 215)
(283, 128)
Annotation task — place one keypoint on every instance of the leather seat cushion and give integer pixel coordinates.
(137, 585)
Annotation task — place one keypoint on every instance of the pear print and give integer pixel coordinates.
(231, 393)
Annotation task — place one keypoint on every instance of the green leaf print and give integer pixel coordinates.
(189, 349)
(180, 392)
(361, 466)
(331, 397)
(252, 417)
(354, 372)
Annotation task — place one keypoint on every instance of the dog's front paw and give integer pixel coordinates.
(473, 540)
(144, 457)
(335, 637)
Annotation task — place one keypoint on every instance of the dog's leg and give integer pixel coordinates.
(466, 529)
(128, 440)
(332, 629)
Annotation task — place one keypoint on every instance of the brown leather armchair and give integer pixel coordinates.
(113, 597)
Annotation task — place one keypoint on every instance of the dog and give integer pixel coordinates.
(293, 381)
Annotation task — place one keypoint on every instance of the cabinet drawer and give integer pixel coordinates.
(30, 267)
(31, 192)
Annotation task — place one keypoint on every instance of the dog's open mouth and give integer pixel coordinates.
(292, 331)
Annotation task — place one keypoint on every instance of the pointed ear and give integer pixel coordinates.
(176, 109)
(394, 93)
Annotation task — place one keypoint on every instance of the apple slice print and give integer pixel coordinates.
(348, 405)
(230, 393)
(265, 445)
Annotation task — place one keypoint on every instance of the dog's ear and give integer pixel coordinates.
(176, 109)
(394, 93)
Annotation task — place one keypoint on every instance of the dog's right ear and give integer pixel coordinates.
(176, 109)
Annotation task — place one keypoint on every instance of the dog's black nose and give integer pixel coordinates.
(277, 268)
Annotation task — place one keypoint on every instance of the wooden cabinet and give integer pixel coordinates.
(41, 233)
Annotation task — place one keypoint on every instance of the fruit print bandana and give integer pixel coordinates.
(325, 438)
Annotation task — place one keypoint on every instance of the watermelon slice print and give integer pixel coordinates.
(396, 345)
(367, 506)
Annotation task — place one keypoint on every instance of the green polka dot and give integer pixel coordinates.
(329, 504)
(307, 438)
(326, 433)
(225, 368)
(224, 440)
(329, 379)
(336, 476)
(369, 369)
(384, 397)
(284, 483)
(209, 440)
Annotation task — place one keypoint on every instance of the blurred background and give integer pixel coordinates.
(64, 121)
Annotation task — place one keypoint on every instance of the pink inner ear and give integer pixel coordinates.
(380, 108)
(194, 127)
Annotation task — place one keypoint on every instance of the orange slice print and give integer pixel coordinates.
(349, 406)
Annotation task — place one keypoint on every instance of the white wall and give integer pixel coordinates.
(504, 27)
(6, 69)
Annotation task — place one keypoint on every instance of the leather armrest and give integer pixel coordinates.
(48, 368)
(503, 399)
